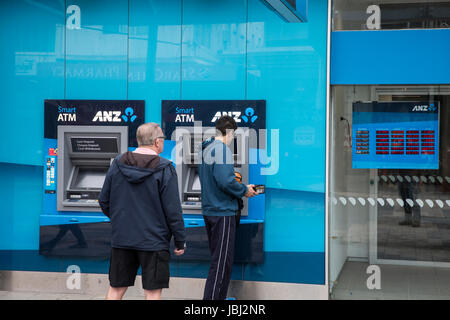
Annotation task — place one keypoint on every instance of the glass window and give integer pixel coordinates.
(390, 14)
(390, 191)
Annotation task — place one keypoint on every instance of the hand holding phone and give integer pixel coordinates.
(250, 191)
(259, 188)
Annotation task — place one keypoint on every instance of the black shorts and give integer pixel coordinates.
(124, 265)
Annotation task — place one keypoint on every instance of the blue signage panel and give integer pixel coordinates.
(386, 57)
(395, 135)
(182, 113)
(130, 113)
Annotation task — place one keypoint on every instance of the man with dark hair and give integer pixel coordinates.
(220, 191)
(140, 196)
(225, 123)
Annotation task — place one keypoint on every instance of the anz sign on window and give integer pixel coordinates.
(425, 108)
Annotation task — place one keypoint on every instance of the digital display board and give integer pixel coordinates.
(395, 135)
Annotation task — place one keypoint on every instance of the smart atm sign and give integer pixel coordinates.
(130, 113)
(179, 113)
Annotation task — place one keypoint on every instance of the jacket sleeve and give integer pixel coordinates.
(171, 204)
(104, 196)
(225, 178)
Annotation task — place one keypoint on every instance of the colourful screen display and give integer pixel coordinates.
(395, 135)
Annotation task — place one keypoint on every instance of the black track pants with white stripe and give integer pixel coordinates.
(221, 234)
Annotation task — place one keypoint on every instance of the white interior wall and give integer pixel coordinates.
(349, 224)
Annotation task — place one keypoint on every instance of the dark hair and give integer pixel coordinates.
(225, 123)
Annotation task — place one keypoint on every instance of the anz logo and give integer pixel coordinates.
(129, 115)
(234, 114)
(425, 108)
(115, 116)
(248, 116)
(107, 116)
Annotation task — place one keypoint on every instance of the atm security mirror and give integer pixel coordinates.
(84, 156)
(187, 170)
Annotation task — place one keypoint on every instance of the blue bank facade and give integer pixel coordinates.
(195, 50)
(177, 50)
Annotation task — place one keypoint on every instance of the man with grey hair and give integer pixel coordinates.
(140, 196)
(147, 134)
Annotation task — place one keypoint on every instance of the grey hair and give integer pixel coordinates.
(147, 133)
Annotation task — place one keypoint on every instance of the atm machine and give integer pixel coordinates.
(85, 154)
(182, 147)
(81, 138)
(187, 168)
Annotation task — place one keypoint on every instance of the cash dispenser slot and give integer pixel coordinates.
(192, 191)
(86, 183)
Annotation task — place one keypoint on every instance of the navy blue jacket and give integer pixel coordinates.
(140, 196)
(219, 187)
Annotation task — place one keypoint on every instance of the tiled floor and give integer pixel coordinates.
(17, 295)
(430, 241)
(397, 282)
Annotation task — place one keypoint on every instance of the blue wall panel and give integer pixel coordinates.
(154, 54)
(293, 267)
(182, 49)
(213, 49)
(97, 53)
(21, 203)
(295, 221)
(287, 67)
(32, 69)
(390, 57)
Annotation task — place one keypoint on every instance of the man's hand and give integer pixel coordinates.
(178, 252)
(251, 191)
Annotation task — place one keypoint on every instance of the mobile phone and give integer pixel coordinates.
(259, 188)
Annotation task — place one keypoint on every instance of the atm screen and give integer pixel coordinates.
(395, 135)
(94, 144)
(89, 178)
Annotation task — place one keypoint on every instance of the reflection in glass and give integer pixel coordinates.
(390, 14)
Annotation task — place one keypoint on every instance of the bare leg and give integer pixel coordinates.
(116, 293)
(153, 294)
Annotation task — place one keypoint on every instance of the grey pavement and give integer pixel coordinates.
(26, 295)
